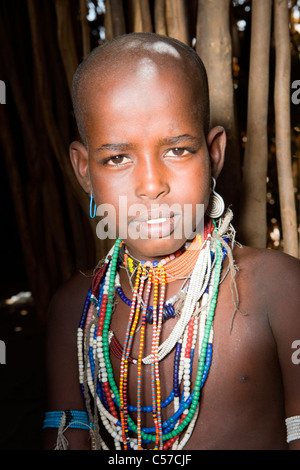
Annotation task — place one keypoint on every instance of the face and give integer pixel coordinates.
(147, 157)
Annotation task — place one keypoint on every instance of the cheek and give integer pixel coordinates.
(111, 203)
(104, 188)
(195, 184)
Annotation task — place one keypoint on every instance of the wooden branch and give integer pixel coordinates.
(214, 48)
(283, 127)
(146, 16)
(141, 16)
(58, 146)
(177, 20)
(85, 29)
(108, 22)
(114, 19)
(160, 17)
(253, 218)
(66, 40)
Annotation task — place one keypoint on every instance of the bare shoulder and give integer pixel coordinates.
(63, 390)
(72, 293)
(270, 266)
(61, 346)
(276, 280)
(273, 276)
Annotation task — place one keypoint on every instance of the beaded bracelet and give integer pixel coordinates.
(293, 428)
(74, 419)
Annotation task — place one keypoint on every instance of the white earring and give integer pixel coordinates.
(216, 204)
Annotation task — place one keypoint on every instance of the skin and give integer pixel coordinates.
(143, 160)
(253, 384)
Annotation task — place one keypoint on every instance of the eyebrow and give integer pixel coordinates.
(115, 147)
(179, 139)
(123, 146)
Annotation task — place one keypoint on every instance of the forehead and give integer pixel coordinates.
(157, 68)
(143, 82)
(142, 107)
(124, 55)
(147, 66)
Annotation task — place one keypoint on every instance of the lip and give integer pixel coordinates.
(154, 214)
(156, 221)
(150, 227)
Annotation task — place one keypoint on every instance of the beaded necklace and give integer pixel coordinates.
(109, 404)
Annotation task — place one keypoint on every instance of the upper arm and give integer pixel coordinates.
(284, 317)
(63, 390)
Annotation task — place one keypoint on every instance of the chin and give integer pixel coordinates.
(151, 249)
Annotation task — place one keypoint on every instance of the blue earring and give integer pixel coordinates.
(93, 207)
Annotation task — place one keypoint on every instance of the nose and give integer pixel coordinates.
(151, 178)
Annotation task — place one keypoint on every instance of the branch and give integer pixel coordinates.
(282, 127)
(253, 223)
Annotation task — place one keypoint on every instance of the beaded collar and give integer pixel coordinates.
(177, 265)
(193, 329)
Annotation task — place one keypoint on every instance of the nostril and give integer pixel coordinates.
(153, 193)
(152, 187)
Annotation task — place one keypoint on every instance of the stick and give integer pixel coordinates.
(159, 17)
(282, 127)
(215, 49)
(176, 20)
(253, 222)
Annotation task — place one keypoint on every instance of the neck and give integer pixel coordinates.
(158, 257)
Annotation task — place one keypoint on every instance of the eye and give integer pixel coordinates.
(117, 160)
(177, 152)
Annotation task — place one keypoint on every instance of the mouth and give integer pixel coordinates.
(155, 214)
(157, 221)
(154, 224)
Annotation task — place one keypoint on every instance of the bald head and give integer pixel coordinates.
(138, 53)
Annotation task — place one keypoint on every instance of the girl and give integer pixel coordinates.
(175, 348)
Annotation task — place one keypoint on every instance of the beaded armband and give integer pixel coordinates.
(63, 420)
(67, 419)
(292, 428)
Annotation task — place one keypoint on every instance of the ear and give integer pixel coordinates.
(79, 160)
(216, 144)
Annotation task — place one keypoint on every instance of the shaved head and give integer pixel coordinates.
(139, 54)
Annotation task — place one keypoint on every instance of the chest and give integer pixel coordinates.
(240, 354)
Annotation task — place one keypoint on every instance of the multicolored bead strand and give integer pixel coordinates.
(133, 318)
(201, 366)
(193, 331)
(139, 361)
(105, 340)
(155, 344)
(153, 355)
